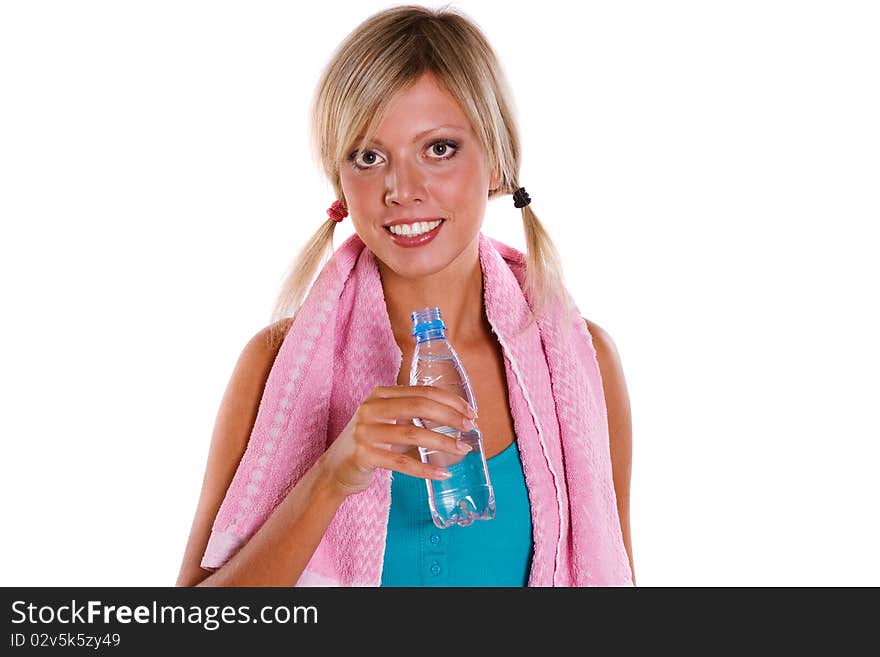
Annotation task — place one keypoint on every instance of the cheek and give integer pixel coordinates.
(358, 190)
(465, 185)
(349, 182)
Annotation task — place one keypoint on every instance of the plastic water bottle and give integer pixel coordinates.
(467, 495)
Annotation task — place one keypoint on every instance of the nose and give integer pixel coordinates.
(404, 184)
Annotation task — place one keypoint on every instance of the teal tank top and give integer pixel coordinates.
(495, 552)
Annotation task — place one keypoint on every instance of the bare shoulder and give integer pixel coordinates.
(611, 369)
(232, 430)
(273, 335)
(602, 342)
(619, 426)
(256, 360)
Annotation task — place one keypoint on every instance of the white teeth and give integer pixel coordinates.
(411, 230)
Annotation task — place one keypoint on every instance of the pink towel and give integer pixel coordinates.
(556, 399)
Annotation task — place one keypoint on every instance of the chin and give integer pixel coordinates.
(416, 263)
(416, 267)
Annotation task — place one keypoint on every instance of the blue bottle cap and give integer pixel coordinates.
(427, 319)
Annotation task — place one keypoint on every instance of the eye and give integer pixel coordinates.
(369, 158)
(444, 145)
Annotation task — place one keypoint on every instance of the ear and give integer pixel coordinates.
(494, 180)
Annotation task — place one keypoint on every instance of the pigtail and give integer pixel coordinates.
(298, 279)
(544, 281)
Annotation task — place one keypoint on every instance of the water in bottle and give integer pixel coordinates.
(467, 495)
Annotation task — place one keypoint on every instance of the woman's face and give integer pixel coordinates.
(424, 164)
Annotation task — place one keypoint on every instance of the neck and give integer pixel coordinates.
(457, 290)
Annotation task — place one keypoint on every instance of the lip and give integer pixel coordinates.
(418, 240)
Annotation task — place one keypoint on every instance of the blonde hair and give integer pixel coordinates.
(384, 55)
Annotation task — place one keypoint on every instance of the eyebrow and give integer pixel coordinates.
(422, 133)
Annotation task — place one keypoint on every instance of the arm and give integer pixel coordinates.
(619, 426)
(279, 551)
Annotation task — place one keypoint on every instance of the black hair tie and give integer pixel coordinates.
(521, 198)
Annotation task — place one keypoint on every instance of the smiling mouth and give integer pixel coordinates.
(388, 228)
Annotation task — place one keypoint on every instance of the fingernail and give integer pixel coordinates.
(471, 413)
(443, 474)
(462, 446)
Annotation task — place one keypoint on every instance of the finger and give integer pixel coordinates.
(435, 393)
(410, 434)
(406, 464)
(395, 409)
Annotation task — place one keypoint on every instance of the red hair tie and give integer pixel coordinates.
(337, 212)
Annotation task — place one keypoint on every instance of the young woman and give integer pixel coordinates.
(413, 123)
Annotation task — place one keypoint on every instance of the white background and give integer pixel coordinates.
(709, 171)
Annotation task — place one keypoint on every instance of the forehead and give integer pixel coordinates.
(425, 105)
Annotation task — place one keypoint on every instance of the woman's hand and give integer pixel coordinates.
(372, 438)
